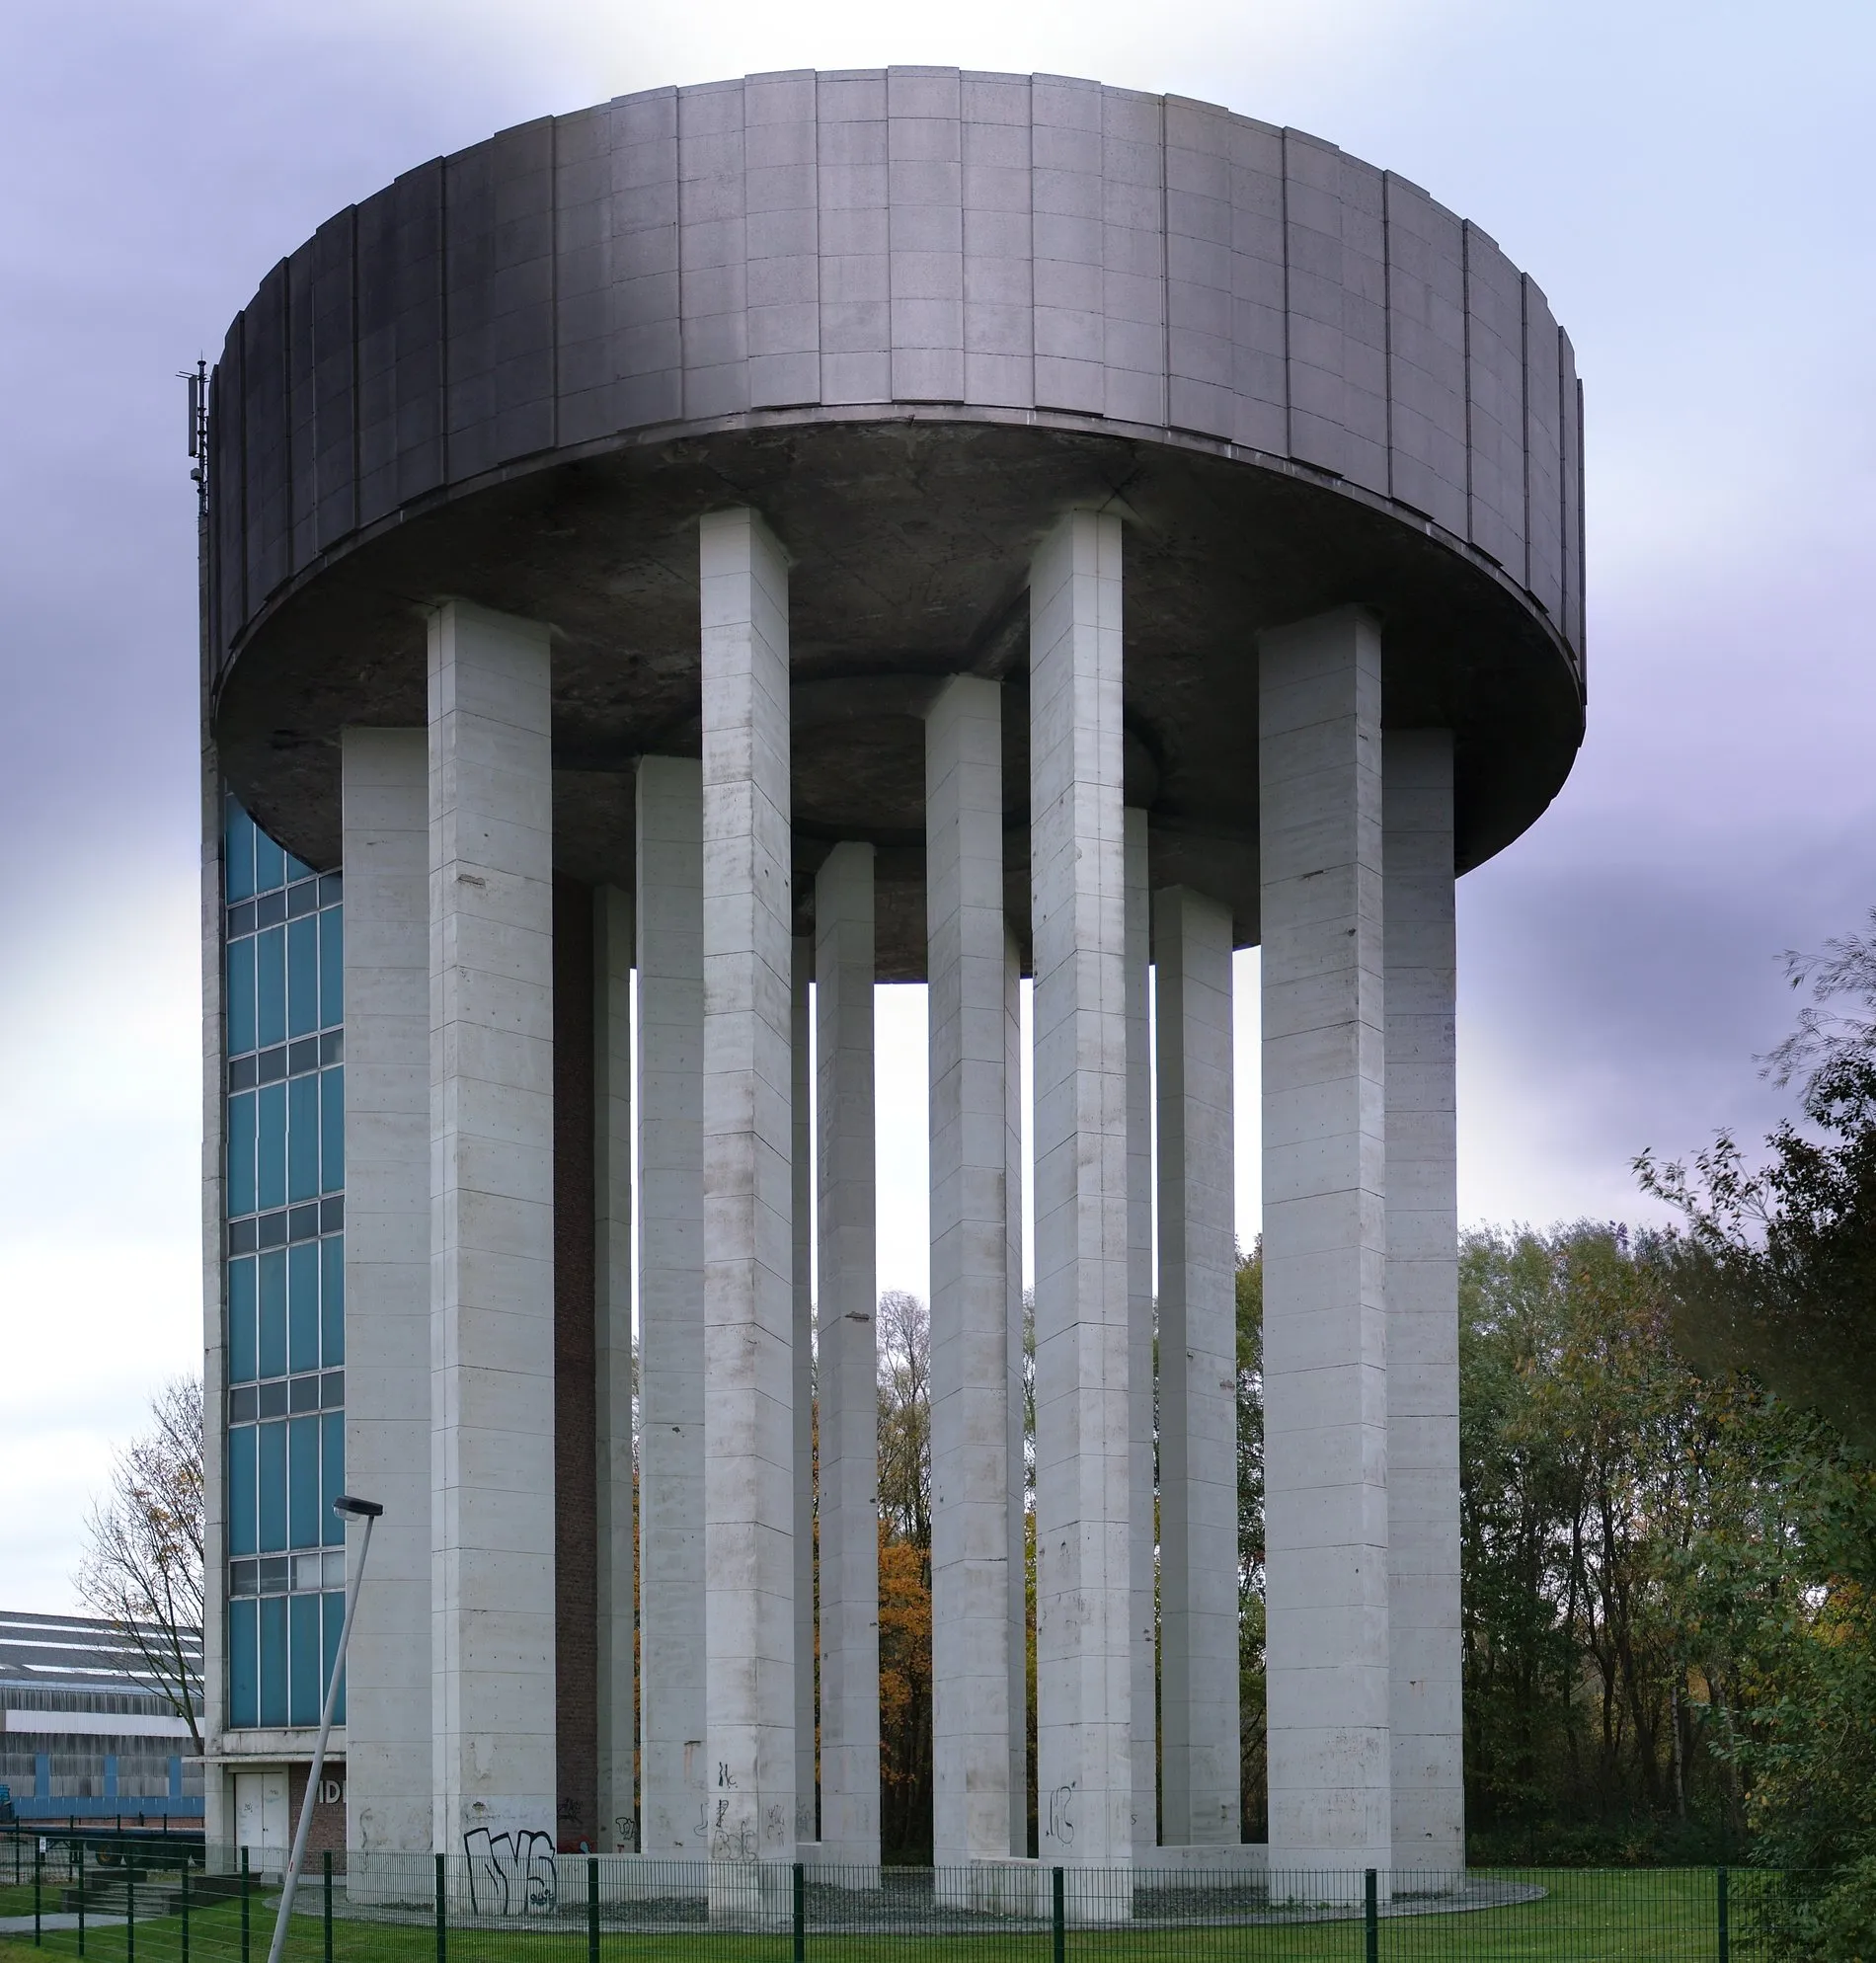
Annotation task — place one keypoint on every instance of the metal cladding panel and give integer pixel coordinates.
(924, 189)
(1260, 305)
(301, 408)
(1543, 454)
(267, 460)
(1570, 425)
(1134, 255)
(999, 312)
(1425, 354)
(334, 383)
(1494, 400)
(780, 141)
(227, 501)
(498, 299)
(712, 250)
(1198, 270)
(912, 235)
(856, 298)
(1070, 321)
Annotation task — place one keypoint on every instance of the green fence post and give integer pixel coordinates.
(185, 1958)
(1059, 1916)
(801, 1913)
(1371, 1917)
(38, 1875)
(247, 1883)
(1720, 1903)
(324, 1875)
(81, 1898)
(592, 1909)
(129, 1913)
(442, 1911)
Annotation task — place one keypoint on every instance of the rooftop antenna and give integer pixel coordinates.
(197, 380)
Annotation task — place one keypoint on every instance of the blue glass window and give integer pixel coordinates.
(244, 1662)
(302, 1305)
(332, 1300)
(271, 1145)
(242, 1352)
(271, 1484)
(272, 1343)
(332, 968)
(302, 976)
(241, 1153)
(293, 868)
(302, 1137)
(334, 1616)
(240, 996)
(333, 1480)
(302, 1483)
(269, 983)
(332, 1155)
(303, 1701)
(242, 1538)
(273, 1659)
(270, 862)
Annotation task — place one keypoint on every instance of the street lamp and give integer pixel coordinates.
(347, 1507)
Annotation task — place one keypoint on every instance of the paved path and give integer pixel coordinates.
(23, 1924)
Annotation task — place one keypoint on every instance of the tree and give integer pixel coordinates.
(144, 1568)
(906, 1680)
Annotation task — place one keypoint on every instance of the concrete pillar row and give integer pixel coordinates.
(1197, 1372)
(616, 1536)
(385, 820)
(491, 1228)
(844, 971)
(978, 1745)
(1325, 1365)
(748, 1234)
(1087, 1791)
(673, 1796)
(1423, 1305)
(806, 1711)
(1143, 1607)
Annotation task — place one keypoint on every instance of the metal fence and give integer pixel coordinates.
(141, 1899)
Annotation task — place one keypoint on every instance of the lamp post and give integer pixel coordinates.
(347, 1508)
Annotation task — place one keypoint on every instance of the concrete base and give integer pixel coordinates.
(1012, 1885)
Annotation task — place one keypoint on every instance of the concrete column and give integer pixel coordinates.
(1198, 1372)
(748, 1236)
(615, 1538)
(675, 1799)
(1423, 1305)
(492, 1225)
(974, 1717)
(1016, 1395)
(807, 1716)
(1325, 1406)
(1142, 1620)
(384, 803)
(1083, 1417)
(849, 1368)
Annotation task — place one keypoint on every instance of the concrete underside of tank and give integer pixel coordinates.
(909, 541)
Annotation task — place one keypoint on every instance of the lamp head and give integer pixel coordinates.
(351, 1508)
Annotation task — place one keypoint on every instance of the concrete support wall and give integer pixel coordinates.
(1325, 1407)
(1198, 1372)
(1083, 1421)
(845, 968)
(385, 819)
(492, 1279)
(1422, 1304)
(977, 1803)
(749, 1239)
(1142, 1550)
(675, 1799)
(1016, 1395)
(612, 953)
(801, 1122)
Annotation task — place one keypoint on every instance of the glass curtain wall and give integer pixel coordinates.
(285, 1419)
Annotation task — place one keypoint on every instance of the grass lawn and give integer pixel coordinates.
(1631, 1916)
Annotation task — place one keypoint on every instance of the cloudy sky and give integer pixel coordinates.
(1689, 182)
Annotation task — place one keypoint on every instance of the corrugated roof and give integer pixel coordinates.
(47, 1660)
